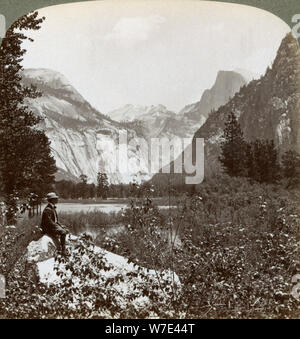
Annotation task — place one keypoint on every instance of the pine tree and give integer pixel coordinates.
(249, 161)
(233, 148)
(25, 159)
(102, 185)
(266, 167)
(258, 161)
(273, 166)
(83, 186)
(291, 168)
(83, 178)
(39, 172)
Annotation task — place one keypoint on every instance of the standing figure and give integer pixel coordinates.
(51, 226)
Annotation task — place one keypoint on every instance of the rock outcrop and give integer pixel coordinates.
(129, 277)
(227, 84)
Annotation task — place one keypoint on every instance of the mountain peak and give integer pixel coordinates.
(287, 52)
(58, 94)
(228, 76)
(47, 79)
(224, 73)
(226, 85)
(46, 76)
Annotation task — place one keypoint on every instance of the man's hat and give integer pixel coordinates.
(52, 195)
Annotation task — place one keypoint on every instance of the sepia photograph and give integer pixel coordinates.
(150, 162)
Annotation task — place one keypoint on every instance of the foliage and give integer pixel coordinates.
(102, 185)
(263, 162)
(83, 189)
(257, 160)
(71, 190)
(291, 168)
(233, 148)
(234, 246)
(242, 266)
(14, 241)
(88, 286)
(15, 207)
(25, 160)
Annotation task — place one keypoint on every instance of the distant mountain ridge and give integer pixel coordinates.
(161, 122)
(84, 140)
(132, 112)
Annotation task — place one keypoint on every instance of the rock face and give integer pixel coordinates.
(227, 84)
(83, 140)
(41, 253)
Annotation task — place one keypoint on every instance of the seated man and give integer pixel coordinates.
(51, 226)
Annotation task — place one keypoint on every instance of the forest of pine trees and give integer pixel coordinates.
(258, 160)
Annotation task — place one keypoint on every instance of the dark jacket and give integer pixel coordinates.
(50, 222)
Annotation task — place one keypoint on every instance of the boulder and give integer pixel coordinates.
(132, 282)
(41, 250)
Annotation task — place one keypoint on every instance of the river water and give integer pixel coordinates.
(78, 207)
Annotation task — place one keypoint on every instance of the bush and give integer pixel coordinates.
(14, 241)
(235, 248)
(242, 268)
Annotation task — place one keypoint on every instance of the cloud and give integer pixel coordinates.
(132, 30)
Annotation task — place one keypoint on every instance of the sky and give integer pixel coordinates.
(152, 52)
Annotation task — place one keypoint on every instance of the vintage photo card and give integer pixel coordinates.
(150, 161)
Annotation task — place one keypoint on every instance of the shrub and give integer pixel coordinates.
(236, 252)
